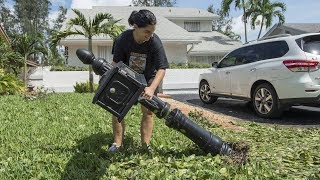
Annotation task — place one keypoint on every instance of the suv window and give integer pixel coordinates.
(229, 60)
(272, 50)
(240, 56)
(311, 44)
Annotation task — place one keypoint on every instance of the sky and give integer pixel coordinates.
(306, 11)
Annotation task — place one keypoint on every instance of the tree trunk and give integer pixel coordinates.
(244, 21)
(262, 21)
(90, 67)
(25, 70)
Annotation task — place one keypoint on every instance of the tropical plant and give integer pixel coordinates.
(223, 24)
(239, 4)
(9, 59)
(102, 23)
(28, 45)
(267, 10)
(84, 87)
(55, 57)
(9, 83)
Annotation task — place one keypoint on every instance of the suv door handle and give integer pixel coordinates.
(228, 72)
(253, 69)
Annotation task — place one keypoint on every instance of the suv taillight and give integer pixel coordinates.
(301, 65)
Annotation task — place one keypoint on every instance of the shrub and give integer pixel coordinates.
(84, 87)
(69, 68)
(38, 93)
(10, 84)
(188, 66)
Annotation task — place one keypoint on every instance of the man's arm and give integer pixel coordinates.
(149, 91)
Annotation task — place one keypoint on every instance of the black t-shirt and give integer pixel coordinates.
(145, 58)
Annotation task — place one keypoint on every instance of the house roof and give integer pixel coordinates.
(204, 42)
(306, 27)
(4, 35)
(213, 43)
(166, 30)
(300, 27)
(168, 12)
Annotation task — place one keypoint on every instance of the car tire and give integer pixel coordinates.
(265, 101)
(204, 93)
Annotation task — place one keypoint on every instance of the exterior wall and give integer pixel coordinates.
(73, 59)
(178, 22)
(63, 81)
(176, 81)
(175, 54)
(205, 25)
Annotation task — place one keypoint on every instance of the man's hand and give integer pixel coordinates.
(148, 93)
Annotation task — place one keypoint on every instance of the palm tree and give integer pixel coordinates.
(89, 28)
(267, 10)
(239, 4)
(28, 45)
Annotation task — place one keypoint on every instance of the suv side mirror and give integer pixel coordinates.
(215, 64)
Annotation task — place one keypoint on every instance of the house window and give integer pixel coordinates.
(192, 26)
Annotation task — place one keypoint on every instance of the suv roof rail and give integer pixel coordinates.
(274, 36)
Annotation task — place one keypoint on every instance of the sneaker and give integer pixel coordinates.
(147, 148)
(114, 148)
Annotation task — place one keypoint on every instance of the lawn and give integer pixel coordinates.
(65, 136)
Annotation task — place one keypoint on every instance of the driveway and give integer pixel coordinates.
(299, 116)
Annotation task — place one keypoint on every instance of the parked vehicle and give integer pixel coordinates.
(273, 73)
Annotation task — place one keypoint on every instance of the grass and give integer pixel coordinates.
(65, 136)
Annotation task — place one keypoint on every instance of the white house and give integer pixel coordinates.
(186, 34)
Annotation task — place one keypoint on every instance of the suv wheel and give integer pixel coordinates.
(265, 101)
(204, 93)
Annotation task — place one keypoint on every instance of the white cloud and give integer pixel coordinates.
(85, 4)
(238, 28)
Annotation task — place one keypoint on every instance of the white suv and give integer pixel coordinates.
(273, 74)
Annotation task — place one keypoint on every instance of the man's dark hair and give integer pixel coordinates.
(142, 18)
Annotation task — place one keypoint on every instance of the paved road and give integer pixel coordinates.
(300, 116)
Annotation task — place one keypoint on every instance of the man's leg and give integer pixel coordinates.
(118, 130)
(146, 125)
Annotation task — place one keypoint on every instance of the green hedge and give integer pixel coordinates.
(188, 66)
(84, 87)
(171, 66)
(69, 68)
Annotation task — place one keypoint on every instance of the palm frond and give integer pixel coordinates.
(100, 17)
(225, 7)
(253, 21)
(80, 20)
(55, 38)
(280, 15)
(111, 29)
(280, 5)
